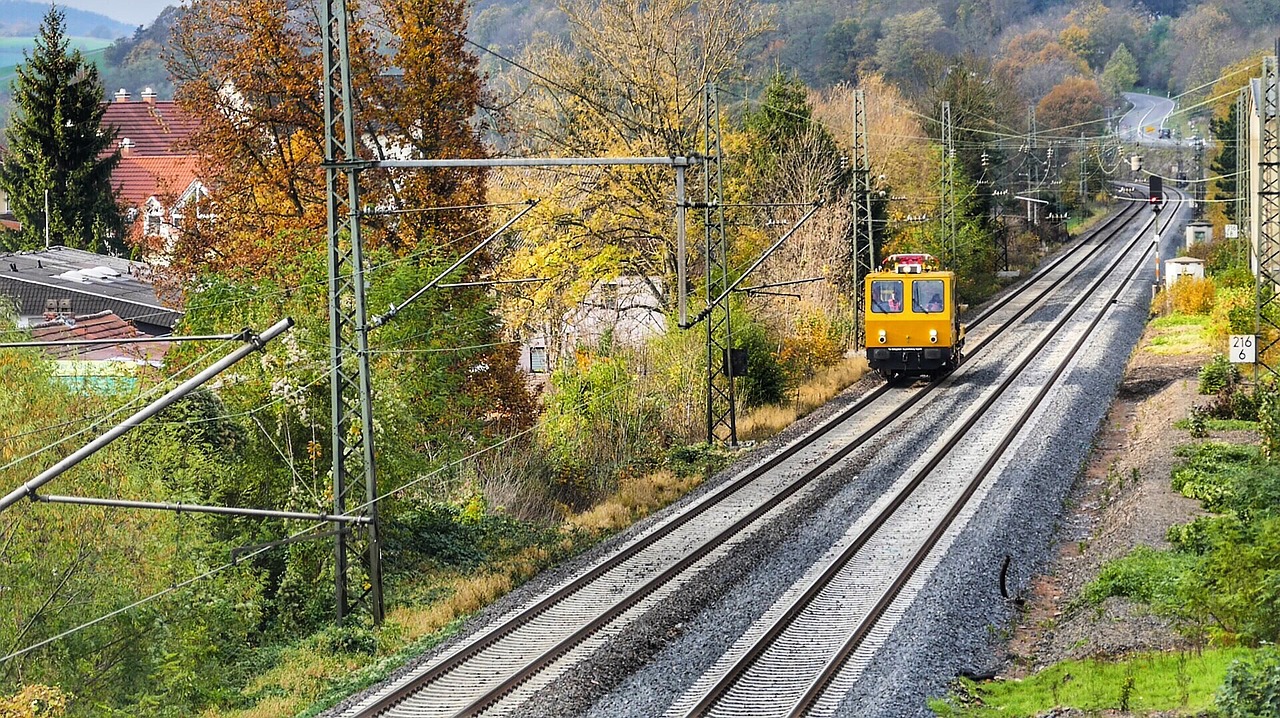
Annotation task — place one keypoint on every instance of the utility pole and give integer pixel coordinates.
(947, 223)
(1268, 278)
(351, 391)
(1031, 160)
(721, 409)
(1084, 177)
(864, 251)
(1242, 163)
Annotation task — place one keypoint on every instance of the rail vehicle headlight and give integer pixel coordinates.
(933, 336)
(883, 338)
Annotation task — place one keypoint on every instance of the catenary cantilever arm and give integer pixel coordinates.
(252, 344)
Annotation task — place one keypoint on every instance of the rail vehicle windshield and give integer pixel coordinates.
(886, 296)
(927, 296)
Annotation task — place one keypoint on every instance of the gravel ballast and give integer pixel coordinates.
(952, 627)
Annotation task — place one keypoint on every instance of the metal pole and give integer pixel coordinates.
(46, 218)
(196, 508)
(682, 260)
(529, 162)
(123, 340)
(253, 344)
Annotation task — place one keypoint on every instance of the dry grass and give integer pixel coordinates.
(765, 421)
(637, 497)
(306, 673)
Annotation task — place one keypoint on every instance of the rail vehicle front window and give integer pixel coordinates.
(928, 296)
(886, 296)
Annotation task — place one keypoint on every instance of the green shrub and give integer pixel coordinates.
(689, 459)
(1218, 375)
(1252, 687)
(1210, 472)
(1234, 588)
(1197, 422)
(1268, 401)
(348, 638)
(435, 532)
(1236, 278)
(1256, 492)
(1242, 405)
(766, 378)
(1198, 537)
(1145, 575)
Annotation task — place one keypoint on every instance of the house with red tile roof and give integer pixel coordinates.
(104, 325)
(101, 368)
(158, 175)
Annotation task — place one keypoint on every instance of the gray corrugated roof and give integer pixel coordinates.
(31, 278)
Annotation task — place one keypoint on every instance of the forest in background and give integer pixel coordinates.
(617, 431)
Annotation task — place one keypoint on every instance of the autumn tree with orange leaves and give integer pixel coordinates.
(1072, 106)
(250, 71)
(443, 374)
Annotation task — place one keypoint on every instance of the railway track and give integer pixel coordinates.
(786, 669)
(490, 674)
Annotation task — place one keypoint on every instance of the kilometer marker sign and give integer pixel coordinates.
(1243, 349)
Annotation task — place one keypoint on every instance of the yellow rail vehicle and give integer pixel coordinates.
(912, 319)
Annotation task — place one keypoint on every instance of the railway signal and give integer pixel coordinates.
(1155, 195)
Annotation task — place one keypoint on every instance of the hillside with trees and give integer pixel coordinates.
(490, 469)
(21, 18)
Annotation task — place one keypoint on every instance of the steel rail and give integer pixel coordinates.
(497, 633)
(837, 662)
(758, 648)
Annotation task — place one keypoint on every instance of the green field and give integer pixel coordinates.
(11, 49)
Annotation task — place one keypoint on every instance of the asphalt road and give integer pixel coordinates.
(1148, 112)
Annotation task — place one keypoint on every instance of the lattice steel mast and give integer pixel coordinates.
(1242, 164)
(864, 251)
(352, 401)
(721, 408)
(948, 219)
(1268, 329)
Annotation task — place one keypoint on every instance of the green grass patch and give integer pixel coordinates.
(1183, 682)
(1076, 225)
(1179, 334)
(1180, 320)
(1220, 425)
(1144, 575)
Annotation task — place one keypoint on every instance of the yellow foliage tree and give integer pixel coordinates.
(35, 701)
(628, 83)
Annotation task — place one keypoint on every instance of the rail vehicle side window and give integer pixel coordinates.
(886, 296)
(928, 296)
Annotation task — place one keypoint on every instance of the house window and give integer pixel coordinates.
(538, 360)
(609, 295)
(177, 220)
(153, 225)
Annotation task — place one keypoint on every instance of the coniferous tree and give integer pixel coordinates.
(56, 142)
(1224, 165)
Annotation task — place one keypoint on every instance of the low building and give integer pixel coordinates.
(66, 282)
(1199, 232)
(626, 311)
(98, 367)
(1179, 267)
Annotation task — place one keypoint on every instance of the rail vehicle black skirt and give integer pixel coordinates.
(910, 359)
